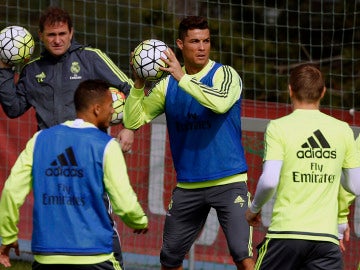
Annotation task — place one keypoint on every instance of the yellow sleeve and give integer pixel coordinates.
(16, 188)
(226, 89)
(141, 109)
(358, 142)
(345, 199)
(122, 196)
(273, 142)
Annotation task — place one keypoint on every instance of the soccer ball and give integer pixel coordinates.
(118, 105)
(16, 45)
(146, 59)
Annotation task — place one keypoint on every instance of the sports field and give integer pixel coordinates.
(262, 40)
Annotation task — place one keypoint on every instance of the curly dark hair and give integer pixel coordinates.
(53, 15)
(190, 23)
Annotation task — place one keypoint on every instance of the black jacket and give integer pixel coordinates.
(48, 84)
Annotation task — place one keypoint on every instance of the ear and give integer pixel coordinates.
(179, 43)
(323, 92)
(71, 32)
(291, 93)
(96, 109)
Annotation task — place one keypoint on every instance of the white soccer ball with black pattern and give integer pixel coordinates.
(147, 59)
(118, 105)
(16, 45)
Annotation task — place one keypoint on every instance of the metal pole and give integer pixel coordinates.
(192, 257)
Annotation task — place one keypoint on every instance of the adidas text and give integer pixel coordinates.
(319, 153)
(67, 172)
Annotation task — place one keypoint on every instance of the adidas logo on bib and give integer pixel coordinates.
(65, 165)
(316, 146)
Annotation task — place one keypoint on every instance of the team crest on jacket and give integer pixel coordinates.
(75, 69)
(40, 77)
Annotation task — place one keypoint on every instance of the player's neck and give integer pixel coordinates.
(194, 68)
(306, 106)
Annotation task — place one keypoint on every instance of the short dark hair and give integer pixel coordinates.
(190, 23)
(307, 82)
(89, 92)
(53, 15)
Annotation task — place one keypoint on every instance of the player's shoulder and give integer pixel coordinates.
(221, 66)
(223, 71)
(75, 46)
(310, 117)
(84, 50)
(94, 53)
(283, 120)
(89, 49)
(284, 124)
(33, 60)
(334, 122)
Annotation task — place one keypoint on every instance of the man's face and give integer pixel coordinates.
(56, 38)
(195, 49)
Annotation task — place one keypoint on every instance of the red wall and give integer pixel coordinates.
(14, 134)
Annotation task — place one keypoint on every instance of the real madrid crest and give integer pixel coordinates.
(75, 69)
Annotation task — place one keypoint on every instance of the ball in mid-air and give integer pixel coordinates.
(118, 105)
(147, 59)
(16, 45)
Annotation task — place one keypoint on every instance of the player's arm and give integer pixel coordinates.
(5, 251)
(267, 184)
(12, 96)
(345, 199)
(226, 89)
(4, 65)
(270, 177)
(265, 190)
(105, 69)
(122, 196)
(140, 108)
(350, 181)
(351, 166)
(219, 98)
(16, 188)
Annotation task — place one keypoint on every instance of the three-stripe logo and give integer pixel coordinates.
(316, 146)
(65, 159)
(65, 165)
(311, 142)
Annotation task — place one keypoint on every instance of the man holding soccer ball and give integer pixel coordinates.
(202, 104)
(48, 83)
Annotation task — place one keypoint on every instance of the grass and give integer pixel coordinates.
(23, 265)
(18, 265)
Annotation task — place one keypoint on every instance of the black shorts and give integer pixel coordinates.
(117, 249)
(187, 215)
(297, 254)
(107, 265)
(116, 237)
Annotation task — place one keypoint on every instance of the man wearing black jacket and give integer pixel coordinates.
(48, 83)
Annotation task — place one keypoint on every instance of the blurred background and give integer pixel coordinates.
(262, 40)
